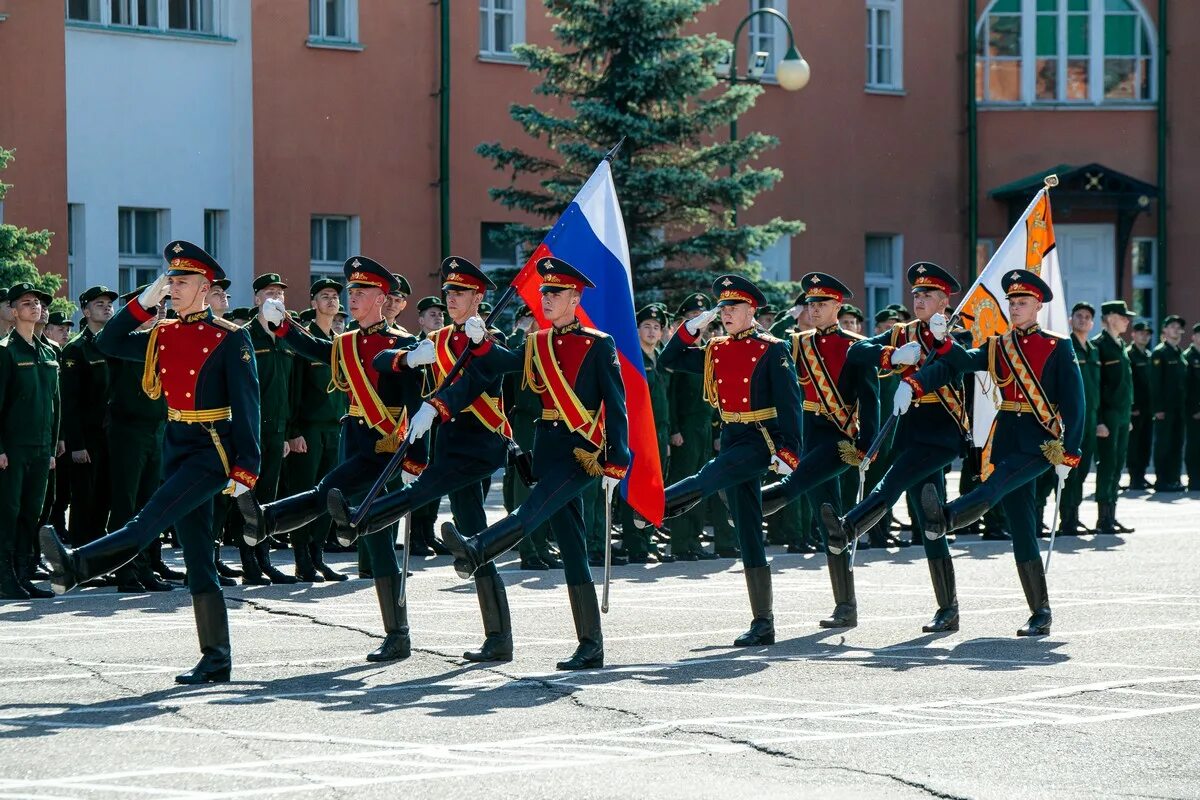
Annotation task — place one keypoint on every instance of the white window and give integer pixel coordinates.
(767, 34)
(882, 280)
(776, 260)
(216, 233)
(139, 237)
(1144, 255)
(885, 44)
(188, 16)
(501, 25)
(332, 240)
(1065, 51)
(333, 20)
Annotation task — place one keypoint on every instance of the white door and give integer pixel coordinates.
(1086, 256)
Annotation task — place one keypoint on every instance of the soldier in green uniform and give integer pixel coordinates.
(1137, 460)
(1087, 357)
(58, 490)
(84, 387)
(29, 418)
(1166, 399)
(273, 361)
(135, 439)
(1113, 421)
(313, 432)
(1192, 409)
(766, 316)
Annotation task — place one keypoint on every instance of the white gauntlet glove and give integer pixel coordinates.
(476, 329)
(906, 355)
(421, 421)
(424, 353)
(273, 311)
(700, 321)
(938, 325)
(155, 293)
(903, 399)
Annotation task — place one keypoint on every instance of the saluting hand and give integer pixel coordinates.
(155, 293)
(906, 355)
(475, 329)
(273, 311)
(700, 321)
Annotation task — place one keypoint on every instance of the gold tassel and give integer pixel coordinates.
(336, 383)
(151, 385)
(849, 453)
(710, 380)
(590, 461)
(389, 443)
(1053, 451)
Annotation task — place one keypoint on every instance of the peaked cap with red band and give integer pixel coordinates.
(558, 275)
(926, 276)
(366, 273)
(733, 289)
(819, 286)
(184, 258)
(1023, 283)
(458, 273)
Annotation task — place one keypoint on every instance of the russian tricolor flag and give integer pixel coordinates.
(590, 236)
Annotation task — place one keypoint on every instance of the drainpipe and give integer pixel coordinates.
(972, 144)
(444, 128)
(1160, 292)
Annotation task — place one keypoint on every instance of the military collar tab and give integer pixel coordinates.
(574, 325)
(199, 316)
(828, 330)
(1034, 328)
(376, 328)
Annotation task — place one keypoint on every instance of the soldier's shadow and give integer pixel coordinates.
(983, 654)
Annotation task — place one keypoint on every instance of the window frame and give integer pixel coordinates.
(766, 28)
(100, 16)
(871, 281)
(1097, 16)
(488, 8)
(134, 264)
(896, 10)
(780, 252)
(216, 232)
(1146, 282)
(324, 264)
(321, 35)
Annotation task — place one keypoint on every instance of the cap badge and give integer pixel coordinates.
(727, 282)
(356, 263)
(178, 248)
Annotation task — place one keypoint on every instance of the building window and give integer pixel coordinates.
(76, 274)
(767, 34)
(882, 277)
(184, 16)
(191, 15)
(333, 20)
(885, 40)
(216, 233)
(493, 252)
(134, 13)
(332, 239)
(776, 260)
(83, 10)
(1144, 256)
(501, 25)
(1065, 51)
(138, 244)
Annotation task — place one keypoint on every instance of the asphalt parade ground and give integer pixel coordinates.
(1107, 706)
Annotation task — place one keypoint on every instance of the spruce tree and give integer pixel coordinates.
(625, 68)
(19, 247)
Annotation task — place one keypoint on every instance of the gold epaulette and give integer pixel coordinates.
(599, 334)
(221, 322)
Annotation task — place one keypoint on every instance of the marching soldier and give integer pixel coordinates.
(431, 316)
(377, 423)
(313, 431)
(58, 489)
(1039, 426)
(1191, 357)
(1113, 420)
(29, 420)
(471, 444)
(203, 367)
(84, 387)
(1167, 380)
(879, 535)
(1088, 359)
(750, 379)
(1137, 461)
(925, 442)
(840, 419)
(576, 372)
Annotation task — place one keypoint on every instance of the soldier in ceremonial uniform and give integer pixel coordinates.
(29, 422)
(1087, 358)
(313, 431)
(750, 379)
(839, 419)
(1039, 426)
(1167, 373)
(431, 316)
(879, 535)
(203, 367)
(472, 440)
(1137, 461)
(1191, 357)
(1113, 417)
(84, 387)
(576, 372)
(925, 441)
(374, 428)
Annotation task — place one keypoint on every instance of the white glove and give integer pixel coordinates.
(424, 353)
(610, 483)
(421, 422)
(273, 311)
(938, 325)
(700, 321)
(780, 466)
(1062, 471)
(407, 477)
(234, 488)
(906, 354)
(903, 399)
(155, 293)
(475, 329)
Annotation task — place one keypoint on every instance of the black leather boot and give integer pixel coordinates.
(396, 644)
(212, 628)
(25, 566)
(70, 567)
(845, 610)
(837, 533)
(385, 511)
(1117, 526)
(252, 574)
(678, 501)
(586, 613)
(146, 577)
(317, 553)
(943, 519)
(762, 627)
(941, 572)
(472, 552)
(127, 579)
(1105, 521)
(160, 568)
(279, 516)
(263, 553)
(10, 587)
(1033, 582)
(223, 569)
(774, 498)
(497, 625)
(306, 570)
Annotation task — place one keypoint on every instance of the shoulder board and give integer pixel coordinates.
(166, 323)
(853, 335)
(221, 322)
(1052, 334)
(716, 340)
(4, 340)
(398, 330)
(806, 334)
(594, 332)
(768, 338)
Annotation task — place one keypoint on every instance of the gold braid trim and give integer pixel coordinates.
(710, 380)
(589, 460)
(336, 382)
(391, 442)
(849, 453)
(529, 379)
(994, 345)
(1053, 451)
(151, 385)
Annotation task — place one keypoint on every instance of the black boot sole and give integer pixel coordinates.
(194, 678)
(339, 512)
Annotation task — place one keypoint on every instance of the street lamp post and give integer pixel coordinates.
(792, 71)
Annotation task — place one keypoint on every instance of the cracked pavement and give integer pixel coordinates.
(1109, 705)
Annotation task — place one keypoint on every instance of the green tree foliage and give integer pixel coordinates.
(19, 247)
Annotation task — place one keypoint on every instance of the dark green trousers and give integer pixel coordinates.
(303, 470)
(88, 520)
(1192, 453)
(685, 461)
(1137, 457)
(1111, 456)
(593, 516)
(1072, 495)
(22, 492)
(135, 451)
(637, 541)
(1168, 448)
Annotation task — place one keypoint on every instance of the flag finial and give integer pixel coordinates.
(1050, 180)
